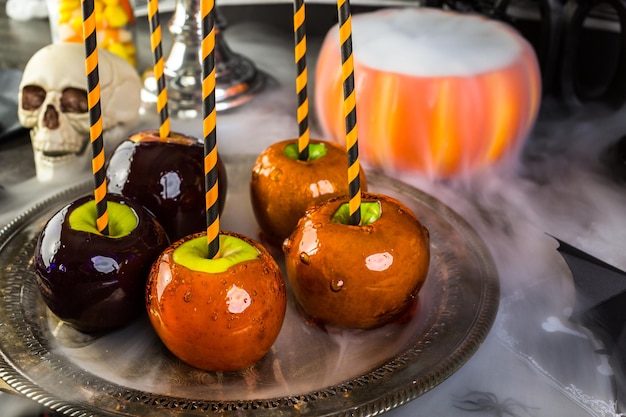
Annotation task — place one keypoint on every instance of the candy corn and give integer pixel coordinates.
(112, 17)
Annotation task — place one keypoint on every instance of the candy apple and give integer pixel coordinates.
(167, 177)
(357, 276)
(95, 282)
(283, 187)
(220, 314)
(438, 92)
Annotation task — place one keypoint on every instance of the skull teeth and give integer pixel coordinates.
(56, 154)
(52, 154)
(57, 157)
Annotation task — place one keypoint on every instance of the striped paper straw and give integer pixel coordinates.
(207, 11)
(301, 79)
(95, 115)
(349, 109)
(159, 67)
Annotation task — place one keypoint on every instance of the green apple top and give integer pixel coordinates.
(122, 219)
(370, 212)
(316, 151)
(193, 254)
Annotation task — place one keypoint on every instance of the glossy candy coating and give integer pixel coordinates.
(96, 282)
(217, 321)
(357, 276)
(282, 188)
(166, 177)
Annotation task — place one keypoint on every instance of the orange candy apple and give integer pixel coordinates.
(357, 276)
(283, 187)
(437, 92)
(220, 314)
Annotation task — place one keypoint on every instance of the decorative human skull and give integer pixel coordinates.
(53, 104)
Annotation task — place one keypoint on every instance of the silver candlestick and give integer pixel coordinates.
(237, 78)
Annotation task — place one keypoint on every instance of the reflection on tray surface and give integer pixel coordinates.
(307, 366)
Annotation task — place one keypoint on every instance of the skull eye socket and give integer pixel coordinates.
(74, 100)
(32, 97)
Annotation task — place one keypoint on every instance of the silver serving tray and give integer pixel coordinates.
(309, 371)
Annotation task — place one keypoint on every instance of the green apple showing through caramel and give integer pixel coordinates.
(167, 177)
(283, 187)
(96, 282)
(220, 314)
(361, 276)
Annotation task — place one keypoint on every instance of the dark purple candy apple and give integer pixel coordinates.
(167, 177)
(96, 282)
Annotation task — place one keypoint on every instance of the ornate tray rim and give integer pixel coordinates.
(374, 402)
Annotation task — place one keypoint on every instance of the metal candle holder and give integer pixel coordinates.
(237, 78)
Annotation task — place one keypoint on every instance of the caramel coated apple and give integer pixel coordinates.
(283, 187)
(220, 314)
(357, 276)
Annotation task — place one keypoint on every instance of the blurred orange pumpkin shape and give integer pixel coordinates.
(438, 92)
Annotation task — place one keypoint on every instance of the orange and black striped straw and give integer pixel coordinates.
(349, 109)
(299, 29)
(159, 67)
(95, 115)
(207, 12)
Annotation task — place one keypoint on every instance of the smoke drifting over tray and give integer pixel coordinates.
(559, 187)
(562, 186)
